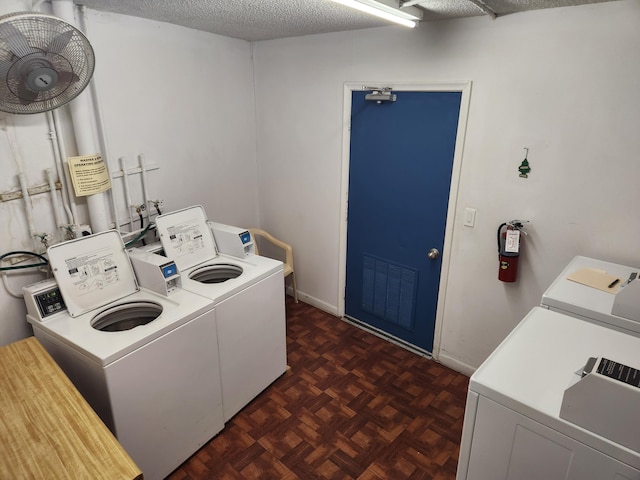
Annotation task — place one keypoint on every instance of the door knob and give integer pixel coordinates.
(433, 254)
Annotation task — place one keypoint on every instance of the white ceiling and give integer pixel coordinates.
(255, 20)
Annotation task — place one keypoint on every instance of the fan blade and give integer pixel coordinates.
(4, 68)
(60, 42)
(67, 77)
(25, 95)
(16, 41)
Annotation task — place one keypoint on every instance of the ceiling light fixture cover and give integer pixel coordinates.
(407, 17)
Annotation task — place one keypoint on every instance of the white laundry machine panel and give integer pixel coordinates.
(512, 426)
(588, 303)
(187, 239)
(152, 374)
(248, 296)
(252, 342)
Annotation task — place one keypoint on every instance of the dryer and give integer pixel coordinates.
(248, 296)
(147, 363)
(514, 424)
(592, 304)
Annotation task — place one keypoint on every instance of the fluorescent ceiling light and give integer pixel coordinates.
(382, 10)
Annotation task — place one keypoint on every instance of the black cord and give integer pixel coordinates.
(499, 229)
(142, 225)
(140, 236)
(20, 267)
(21, 252)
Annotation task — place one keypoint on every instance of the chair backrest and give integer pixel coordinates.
(258, 234)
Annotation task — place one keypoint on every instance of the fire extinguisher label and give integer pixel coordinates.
(512, 244)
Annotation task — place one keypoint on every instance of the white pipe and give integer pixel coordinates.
(63, 171)
(125, 183)
(145, 191)
(83, 125)
(58, 150)
(54, 198)
(5, 281)
(27, 207)
(101, 131)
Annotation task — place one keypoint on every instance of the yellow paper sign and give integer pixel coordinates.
(89, 175)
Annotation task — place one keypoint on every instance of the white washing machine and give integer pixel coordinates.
(513, 428)
(593, 304)
(248, 295)
(147, 363)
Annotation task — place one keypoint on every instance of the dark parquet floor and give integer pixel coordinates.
(352, 406)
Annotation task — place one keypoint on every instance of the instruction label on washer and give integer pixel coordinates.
(186, 238)
(93, 271)
(89, 175)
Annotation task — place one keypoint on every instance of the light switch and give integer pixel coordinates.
(469, 217)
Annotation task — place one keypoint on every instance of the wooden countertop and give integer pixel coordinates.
(47, 429)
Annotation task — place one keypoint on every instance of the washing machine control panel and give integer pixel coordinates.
(155, 272)
(245, 237)
(43, 299)
(169, 269)
(50, 302)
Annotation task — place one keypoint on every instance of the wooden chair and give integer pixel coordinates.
(283, 247)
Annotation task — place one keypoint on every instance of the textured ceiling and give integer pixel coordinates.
(255, 20)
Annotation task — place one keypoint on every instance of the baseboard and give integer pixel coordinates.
(444, 359)
(324, 306)
(456, 365)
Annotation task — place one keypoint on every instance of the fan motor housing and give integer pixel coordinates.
(42, 79)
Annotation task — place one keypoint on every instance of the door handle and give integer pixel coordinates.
(433, 254)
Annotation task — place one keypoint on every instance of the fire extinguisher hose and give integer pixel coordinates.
(499, 230)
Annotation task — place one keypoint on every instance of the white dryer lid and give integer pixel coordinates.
(186, 237)
(92, 271)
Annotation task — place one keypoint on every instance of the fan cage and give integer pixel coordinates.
(40, 30)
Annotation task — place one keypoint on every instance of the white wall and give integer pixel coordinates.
(560, 82)
(182, 98)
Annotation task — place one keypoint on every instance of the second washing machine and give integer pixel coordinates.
(248, 295)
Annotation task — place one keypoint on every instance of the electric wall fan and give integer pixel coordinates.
(44, 62)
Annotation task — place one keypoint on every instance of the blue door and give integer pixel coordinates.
(401, 160)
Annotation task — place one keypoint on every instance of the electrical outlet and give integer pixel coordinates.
(469, 217)
(81, 231)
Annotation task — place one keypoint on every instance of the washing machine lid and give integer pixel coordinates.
(186, 237)
(92, 271)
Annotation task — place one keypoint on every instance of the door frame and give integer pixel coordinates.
(465, 89)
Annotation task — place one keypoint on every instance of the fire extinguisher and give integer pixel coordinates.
(509, 247)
